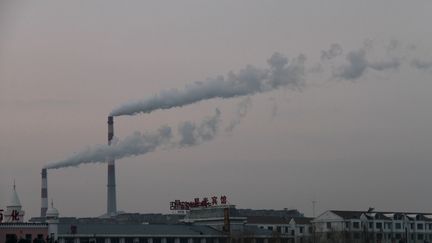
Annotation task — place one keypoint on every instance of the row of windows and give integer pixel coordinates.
(171, 240)
(385, 225)
(145, 240)
(287, 230)
(397, 236)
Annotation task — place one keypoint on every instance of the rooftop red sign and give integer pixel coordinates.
(197, 203)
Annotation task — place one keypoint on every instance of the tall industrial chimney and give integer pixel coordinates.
(44, 193)
(111, 195)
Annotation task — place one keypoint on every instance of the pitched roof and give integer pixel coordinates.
(348, 214)
(139, 229)
(302, 220)
(267, 220)
(379, 215)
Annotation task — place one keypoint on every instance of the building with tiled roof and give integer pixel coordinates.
(373, 226)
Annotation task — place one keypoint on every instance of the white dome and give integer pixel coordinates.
(52, 212)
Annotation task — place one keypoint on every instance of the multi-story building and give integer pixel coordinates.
(374, 227)
(299, 228)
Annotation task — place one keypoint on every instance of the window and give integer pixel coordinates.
(301, 230)
(398, 236)
(370, 225)
(398, 225)
(420, 227)
(328, 225)
(347, 225)
(270, 228)
(378, 225)
(412, 226)
(279, 229)
(420, 237)
(286, 229)
(387, 225)
(356, 225)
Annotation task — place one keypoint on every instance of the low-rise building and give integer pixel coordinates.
(374, 227)
(299, 229)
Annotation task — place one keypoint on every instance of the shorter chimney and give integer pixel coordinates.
(44, 193)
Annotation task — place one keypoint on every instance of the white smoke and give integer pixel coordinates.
(358, 64)
(193, 134)
(421, 64)
(335, 50)
(189, 134)
(281, 72)
(248, 81)
(240, 113)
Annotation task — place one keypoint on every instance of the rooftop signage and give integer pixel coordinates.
(13, 217)
(197, 203)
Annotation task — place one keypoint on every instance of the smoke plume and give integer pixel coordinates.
(242, 109)
(335, 50)
(248, 81)
(358, 64)
(281, 72)
(188, 134)
(421, 64)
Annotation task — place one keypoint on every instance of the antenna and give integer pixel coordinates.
(313, 207)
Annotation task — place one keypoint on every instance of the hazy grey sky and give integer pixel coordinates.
(357, 134)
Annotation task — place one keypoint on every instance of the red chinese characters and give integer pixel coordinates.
(205, 202)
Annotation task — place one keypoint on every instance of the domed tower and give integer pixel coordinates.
(52, 218)
(14, 212)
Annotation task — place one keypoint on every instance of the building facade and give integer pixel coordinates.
(373, 227)
(299, 229)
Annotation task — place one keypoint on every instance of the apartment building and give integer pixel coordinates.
(373, 227)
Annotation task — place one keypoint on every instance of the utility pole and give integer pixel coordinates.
(313, 207)
(313, 225)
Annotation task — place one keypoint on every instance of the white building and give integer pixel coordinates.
(299, 228)
(374, 227)
(14, 212)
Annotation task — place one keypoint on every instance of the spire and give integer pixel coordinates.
(14, 199)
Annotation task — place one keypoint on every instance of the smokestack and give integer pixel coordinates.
(111, 193)
(44, 193)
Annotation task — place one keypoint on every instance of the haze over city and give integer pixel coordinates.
(274, 104)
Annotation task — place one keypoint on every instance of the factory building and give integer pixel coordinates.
(220, 224)
(203, 224)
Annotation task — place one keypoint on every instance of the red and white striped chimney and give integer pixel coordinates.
(111, 190)
(44, 193)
